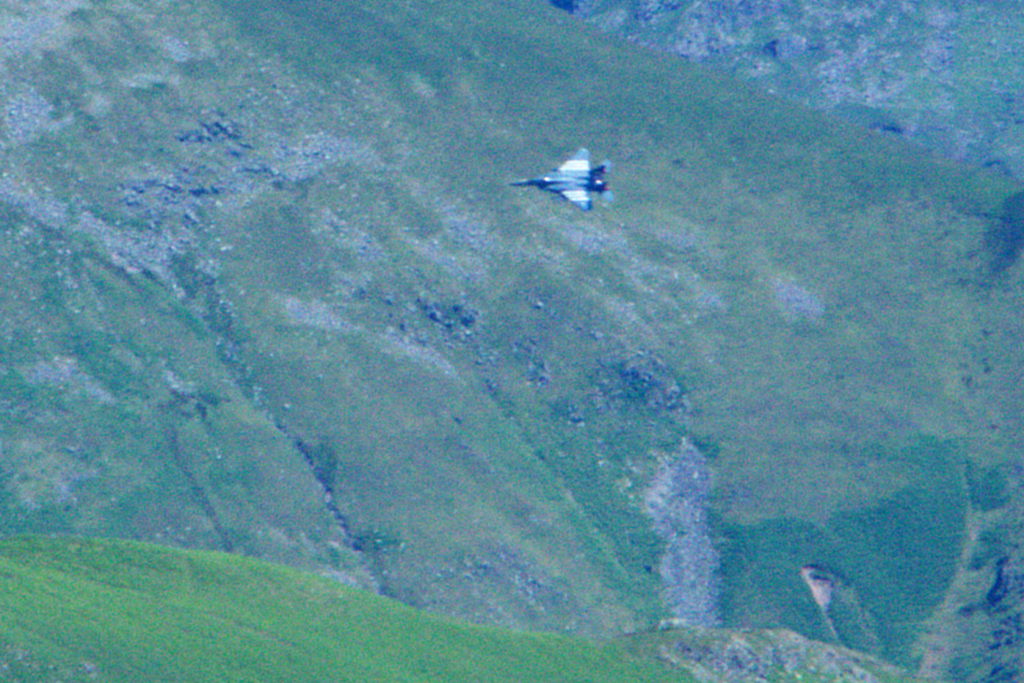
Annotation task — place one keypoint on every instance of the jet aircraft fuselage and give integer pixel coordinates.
(575, 180)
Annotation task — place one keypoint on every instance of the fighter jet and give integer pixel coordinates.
(575, 180)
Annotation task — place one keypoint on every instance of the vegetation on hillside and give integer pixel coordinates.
(86, 609)
(267, 290)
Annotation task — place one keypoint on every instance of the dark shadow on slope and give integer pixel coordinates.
(567, 5)
(1005, 240)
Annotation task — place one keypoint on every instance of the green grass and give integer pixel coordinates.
(75, 609)
(895, 560)
(496, 470)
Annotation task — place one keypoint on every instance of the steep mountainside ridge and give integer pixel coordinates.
(269, 291)
(943, 74)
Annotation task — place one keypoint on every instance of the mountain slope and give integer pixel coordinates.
(270, 292)
(79, 609)
(942, 74)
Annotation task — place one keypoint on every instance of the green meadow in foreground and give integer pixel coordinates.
(78, 609)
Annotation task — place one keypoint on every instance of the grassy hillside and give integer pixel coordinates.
(269, 291)
(115, 610)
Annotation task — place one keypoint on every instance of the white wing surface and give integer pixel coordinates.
(579, 197)
(578, 164)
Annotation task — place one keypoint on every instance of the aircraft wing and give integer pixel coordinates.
(579, 197)
(577, 165)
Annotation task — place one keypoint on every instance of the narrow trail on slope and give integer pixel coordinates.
(937, 653)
